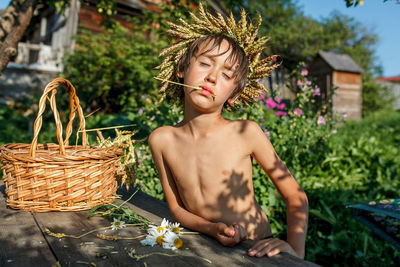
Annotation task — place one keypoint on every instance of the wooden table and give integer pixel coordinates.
(24, 243)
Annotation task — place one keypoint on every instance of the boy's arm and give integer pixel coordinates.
(295, 199)
(228, 236)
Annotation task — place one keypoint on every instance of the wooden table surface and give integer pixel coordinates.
(24, 243)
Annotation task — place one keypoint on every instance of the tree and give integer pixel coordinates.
(297, 37)
(17, 16)
(355, 3)
(13, 24)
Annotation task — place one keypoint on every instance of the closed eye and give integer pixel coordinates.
(204, 64)
(226, 76)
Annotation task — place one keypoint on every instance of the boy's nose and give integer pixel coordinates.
(211, 77)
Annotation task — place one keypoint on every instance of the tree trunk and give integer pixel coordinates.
(13, 24)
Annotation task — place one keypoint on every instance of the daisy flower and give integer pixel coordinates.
(162, 228)
(153, 237)
(117, 224)
(172, 241)
(174, 227)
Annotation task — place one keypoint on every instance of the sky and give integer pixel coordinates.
(382, 18)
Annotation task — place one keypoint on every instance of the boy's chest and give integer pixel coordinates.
(215, 158)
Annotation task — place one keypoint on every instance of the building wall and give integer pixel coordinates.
(348, 94)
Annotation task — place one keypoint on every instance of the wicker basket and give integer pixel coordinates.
(58, 177)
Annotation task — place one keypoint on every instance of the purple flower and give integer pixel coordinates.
(298, 112)
(148, 99)
(344, 114)
(299, 83)
(140, 111)
(262, 119)
(280, 113)
(143, 96)
(317, 91)
(308, 121)
(267, 133)
(304, 72)
(321, 120)
(270, 103)
(308, 83)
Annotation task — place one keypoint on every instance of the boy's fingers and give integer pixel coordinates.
(229, 231)
(242, 232)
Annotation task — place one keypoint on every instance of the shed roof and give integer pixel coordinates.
(340, 62)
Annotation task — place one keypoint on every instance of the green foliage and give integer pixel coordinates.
(113, 78)
(375, 96)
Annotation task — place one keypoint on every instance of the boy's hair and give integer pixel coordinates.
(206, 27)
(237, 58)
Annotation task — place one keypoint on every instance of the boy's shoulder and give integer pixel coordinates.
(160, 134)
(245, 126)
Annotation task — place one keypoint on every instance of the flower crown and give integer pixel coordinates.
(206, 24)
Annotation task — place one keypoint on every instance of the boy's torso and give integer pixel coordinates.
(213, 175)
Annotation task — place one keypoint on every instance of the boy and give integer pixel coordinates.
(205, 161)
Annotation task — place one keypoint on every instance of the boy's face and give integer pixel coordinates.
(212, 72)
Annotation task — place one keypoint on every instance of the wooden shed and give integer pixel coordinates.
(339, 79)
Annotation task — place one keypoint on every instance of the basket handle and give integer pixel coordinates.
(74, 106)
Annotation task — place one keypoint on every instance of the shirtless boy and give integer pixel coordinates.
(205, 161)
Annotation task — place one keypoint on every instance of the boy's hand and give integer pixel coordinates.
(270, 247)
(230, 236)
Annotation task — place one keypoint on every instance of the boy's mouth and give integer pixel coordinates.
(207, 91)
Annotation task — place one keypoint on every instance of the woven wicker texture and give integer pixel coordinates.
(59, 177)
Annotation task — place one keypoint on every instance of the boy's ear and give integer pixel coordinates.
(180, 74)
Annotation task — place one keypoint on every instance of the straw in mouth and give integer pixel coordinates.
(190, 86)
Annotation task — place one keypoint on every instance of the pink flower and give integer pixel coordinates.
(309, 121)
(267, 133)
(262, 97)
(281, 106)
(317, 91)
(278, 99)
(304, 72)
(308, 83)
(270, 103)
(344, 114)
(334, 131)
(140, 111)
(298, 112)
(299, 83)
(275, 59)
(321, 120)
(280, 113)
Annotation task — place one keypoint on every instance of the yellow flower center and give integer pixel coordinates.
(160, 240)
(178, 243)
(176, 230)
(117, 224)
(160, 229)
